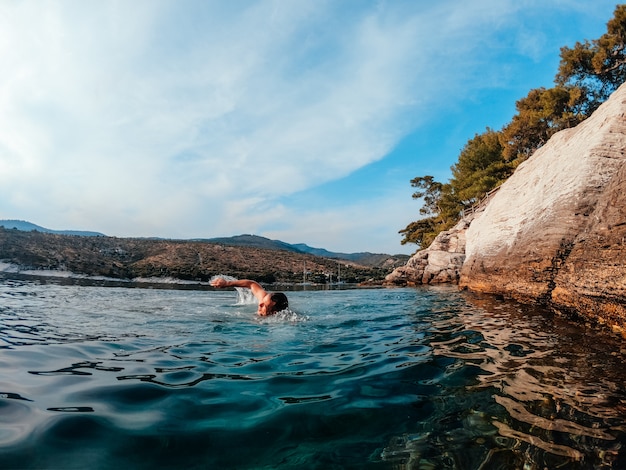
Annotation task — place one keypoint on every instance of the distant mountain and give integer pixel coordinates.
(365, 258)
(253, 241)
(30, 227)
(357, 257)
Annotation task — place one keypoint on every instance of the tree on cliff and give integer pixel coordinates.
(439, 205)
(480, 168)
(597, 67)
(540, 115)
(587, 75)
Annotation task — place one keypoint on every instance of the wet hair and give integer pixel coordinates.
(280, 302)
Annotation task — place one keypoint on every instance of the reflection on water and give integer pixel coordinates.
(110, 377)
(545, 393)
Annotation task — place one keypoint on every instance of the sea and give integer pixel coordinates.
(107, 376)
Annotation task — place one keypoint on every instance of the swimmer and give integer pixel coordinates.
(269, 303)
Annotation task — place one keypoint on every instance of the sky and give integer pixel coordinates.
(297, 120)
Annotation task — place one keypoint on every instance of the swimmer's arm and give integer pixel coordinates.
(254, 286)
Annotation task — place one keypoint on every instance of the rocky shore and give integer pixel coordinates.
(440, 263)
(555, 232)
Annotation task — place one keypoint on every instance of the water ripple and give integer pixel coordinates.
(556, 407)
(400, 378)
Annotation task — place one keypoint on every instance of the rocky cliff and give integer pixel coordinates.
(556, 230)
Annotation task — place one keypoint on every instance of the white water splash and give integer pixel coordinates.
(289, 315)
(286, 315)
(244, 296)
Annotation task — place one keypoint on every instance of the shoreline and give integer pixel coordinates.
(13, 271)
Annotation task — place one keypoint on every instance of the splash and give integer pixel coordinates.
(244, 296)
(286, 315)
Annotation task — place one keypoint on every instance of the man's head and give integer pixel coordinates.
(273, 303)
(280, 302)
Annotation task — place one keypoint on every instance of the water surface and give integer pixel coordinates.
(112, 377)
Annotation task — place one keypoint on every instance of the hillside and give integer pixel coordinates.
(365, 258)
(130, 258)
(253, 241)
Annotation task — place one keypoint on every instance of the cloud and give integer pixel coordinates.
(353, 227)
(121, 103)
(201, 118)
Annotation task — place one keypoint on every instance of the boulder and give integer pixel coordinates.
(439, 263)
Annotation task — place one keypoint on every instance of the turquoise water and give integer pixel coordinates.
(115, 377)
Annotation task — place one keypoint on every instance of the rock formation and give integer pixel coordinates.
(556, 230)
(439, 263)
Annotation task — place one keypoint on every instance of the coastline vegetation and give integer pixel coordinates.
(588, 73)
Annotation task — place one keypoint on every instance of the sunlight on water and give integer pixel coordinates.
(110, 377)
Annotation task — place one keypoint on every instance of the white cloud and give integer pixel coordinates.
(104, 107)
(352, 227)
(174, 118)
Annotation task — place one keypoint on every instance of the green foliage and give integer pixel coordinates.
(588, 74)
(541, 114)
(431, 192)
(480, 168)
(421, 232)
(597, 67)
(439, 203)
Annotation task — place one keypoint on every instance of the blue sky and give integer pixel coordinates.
(298, 120)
